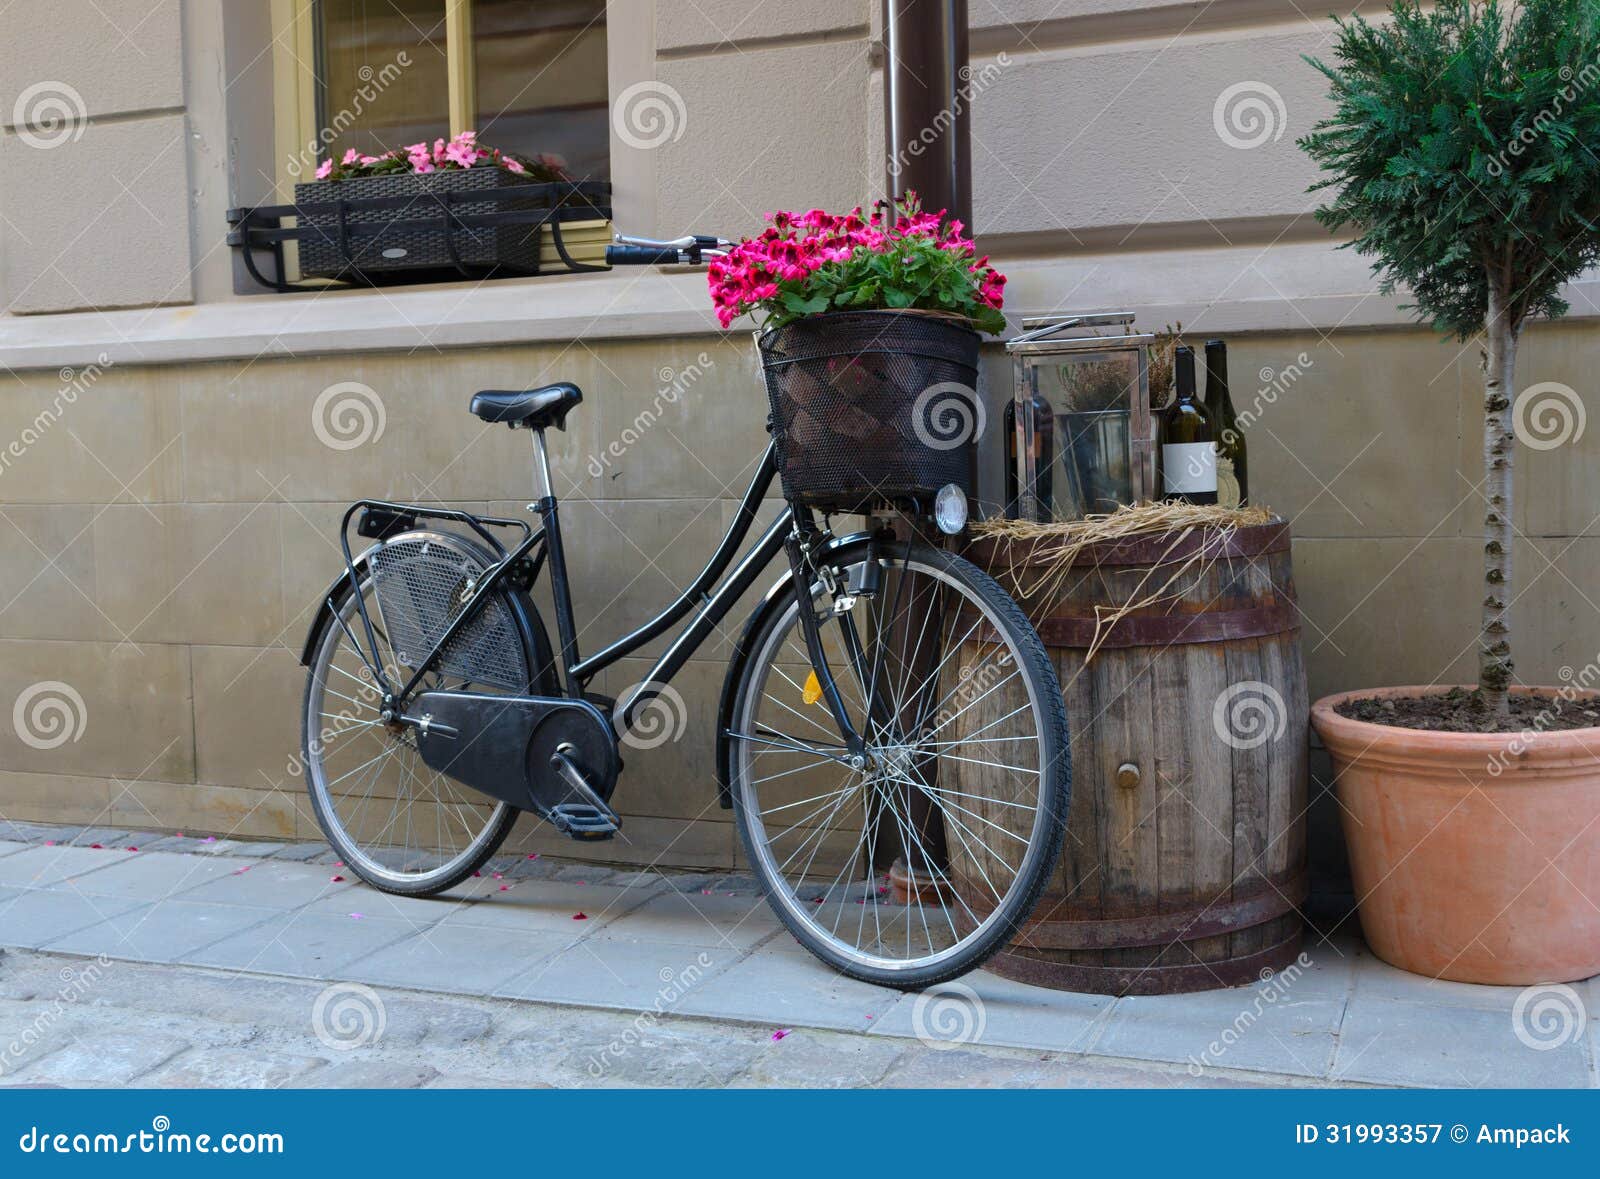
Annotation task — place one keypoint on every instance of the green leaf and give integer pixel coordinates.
(802, 305)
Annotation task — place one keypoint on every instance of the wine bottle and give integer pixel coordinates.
(1233, 481)
(1188, 456)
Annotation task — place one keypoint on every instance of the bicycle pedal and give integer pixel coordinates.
(578, 820)
(589, 818)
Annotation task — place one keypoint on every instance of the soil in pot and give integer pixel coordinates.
(1461, 711)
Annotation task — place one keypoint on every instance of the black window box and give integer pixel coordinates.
(480, 222)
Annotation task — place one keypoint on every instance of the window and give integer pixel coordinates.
(528, 75)
(541, 80)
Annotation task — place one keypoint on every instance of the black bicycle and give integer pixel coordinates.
(891, 735)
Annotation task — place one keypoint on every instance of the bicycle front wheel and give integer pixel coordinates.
(919, 861)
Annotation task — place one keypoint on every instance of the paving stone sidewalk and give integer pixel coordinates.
(195, 962)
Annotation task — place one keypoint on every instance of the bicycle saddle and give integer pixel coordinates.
(533, 409)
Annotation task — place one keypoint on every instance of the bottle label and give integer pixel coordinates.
(1228, 493)
(1189, 467)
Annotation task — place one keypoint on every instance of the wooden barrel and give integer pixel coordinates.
(1184, 862)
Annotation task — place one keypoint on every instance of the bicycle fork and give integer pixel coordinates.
(922, 814)
(798, 548)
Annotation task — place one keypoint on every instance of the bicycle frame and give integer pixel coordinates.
(523, 563)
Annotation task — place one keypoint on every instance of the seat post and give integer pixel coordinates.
(560, 591)
(541, 467)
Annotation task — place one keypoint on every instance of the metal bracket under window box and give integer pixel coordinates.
(417, 229)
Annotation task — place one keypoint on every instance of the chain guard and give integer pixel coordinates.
(502, 745)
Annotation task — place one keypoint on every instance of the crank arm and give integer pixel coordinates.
(573, 777)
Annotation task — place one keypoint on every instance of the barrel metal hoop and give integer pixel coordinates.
(1262, 902)
(1148, 980)
(1161, 630)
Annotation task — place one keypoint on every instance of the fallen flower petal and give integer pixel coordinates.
(781, 1033)
(580, 916)
(337, 879)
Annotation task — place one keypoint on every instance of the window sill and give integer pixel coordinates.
(623, 304)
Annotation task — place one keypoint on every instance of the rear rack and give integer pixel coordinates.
(260, 228)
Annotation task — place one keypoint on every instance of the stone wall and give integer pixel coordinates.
(167, 531)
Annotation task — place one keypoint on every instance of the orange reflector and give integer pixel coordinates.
(813, 689)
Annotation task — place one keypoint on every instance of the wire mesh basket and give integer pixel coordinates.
(872, 407)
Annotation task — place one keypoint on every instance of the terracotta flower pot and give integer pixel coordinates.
(1475, 856)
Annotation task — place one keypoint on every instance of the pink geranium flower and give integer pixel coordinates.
(815, 261)
(459, 151)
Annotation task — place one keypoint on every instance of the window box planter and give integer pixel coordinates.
(333, 254)
(405, 228)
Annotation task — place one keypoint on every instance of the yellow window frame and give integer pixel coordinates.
(295, 83)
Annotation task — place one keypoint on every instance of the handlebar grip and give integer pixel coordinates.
(640, 256)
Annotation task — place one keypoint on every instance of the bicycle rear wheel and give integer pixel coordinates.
(966, 737)
(400, 825)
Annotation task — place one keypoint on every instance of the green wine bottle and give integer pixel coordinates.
(1233, 477)
(1188, 456)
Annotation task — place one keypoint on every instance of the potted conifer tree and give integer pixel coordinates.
(1462, 153)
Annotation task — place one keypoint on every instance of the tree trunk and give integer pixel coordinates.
(1494, 639)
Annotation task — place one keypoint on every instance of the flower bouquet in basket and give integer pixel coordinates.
(869, 348)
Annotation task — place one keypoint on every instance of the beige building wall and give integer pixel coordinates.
(166, 503)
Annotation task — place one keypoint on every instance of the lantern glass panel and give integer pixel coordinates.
(1090, 394)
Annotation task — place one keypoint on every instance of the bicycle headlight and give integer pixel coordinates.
(950, 509)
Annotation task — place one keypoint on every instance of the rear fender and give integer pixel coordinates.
(324, 617)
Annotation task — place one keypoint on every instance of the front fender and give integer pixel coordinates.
(772, 601)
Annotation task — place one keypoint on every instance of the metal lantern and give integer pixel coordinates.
(1082, 437)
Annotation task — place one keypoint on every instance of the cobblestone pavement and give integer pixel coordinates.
(163, 960)
(172, 1026)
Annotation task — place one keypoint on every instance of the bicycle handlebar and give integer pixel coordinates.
(620, 255)
(690, 249)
